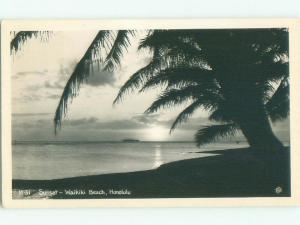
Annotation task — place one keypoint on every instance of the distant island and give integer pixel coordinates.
(130, 140)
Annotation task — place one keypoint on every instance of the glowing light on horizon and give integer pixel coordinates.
(157, 133)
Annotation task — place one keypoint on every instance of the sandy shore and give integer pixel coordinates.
(230, 173)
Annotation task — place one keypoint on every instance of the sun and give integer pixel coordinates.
(157, 133)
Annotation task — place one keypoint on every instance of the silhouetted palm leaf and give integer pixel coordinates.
(188, 112)
(278, 105)
(104, 40)
(173, 42)
(181, 76)
(80, 74)
(272, 71)
(173, 97)
(121, 43)
(161, 60)
(211, 133)
(228, 72)
(223, 113)
(21, 37)
(137, 79)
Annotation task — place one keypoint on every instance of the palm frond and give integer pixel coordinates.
(278, 105)
(266, 89)
(188, 112)
(160, 61)
(121, 43)
(80, 74)
(160, 39)
(21, 37)
(179, 39)
(175, 44)
(273, 71)
(172, 97)
(212, 133)
(180, 76)
(222, 113)
(139, 77)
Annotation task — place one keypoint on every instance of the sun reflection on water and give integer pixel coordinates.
(157, 157)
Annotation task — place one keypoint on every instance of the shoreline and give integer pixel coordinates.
(227, 173)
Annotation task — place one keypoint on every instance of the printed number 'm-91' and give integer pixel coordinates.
(24, 192)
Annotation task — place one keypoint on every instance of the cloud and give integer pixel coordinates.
(146, 118)
(54, 85)
(100, 78)
(31, 122)
(75, 124)
(94, 123)
(33, 88)
(53, 96)
(142, 121)
(38, 121)
(35, 125)
(191, 124)
(154, 119)
(29, 114)
(28, 98)
(33, 72)
(40, 127)
(79, 122)
(96, 77)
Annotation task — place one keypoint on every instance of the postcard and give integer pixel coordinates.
(143, 113)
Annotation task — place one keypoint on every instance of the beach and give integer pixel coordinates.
(222, 173)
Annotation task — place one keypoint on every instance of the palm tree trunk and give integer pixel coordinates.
(259, 134)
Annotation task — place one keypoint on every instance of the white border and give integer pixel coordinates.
(294, 36)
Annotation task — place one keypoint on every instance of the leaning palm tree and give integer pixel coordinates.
(104, 53)
(239, 76)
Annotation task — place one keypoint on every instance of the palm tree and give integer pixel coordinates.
(105, 51)
(240, 76)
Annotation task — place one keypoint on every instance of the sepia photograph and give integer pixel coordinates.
(160, 112)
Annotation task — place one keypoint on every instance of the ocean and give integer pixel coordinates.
(45, 161)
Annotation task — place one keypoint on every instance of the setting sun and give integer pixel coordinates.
(157, 133)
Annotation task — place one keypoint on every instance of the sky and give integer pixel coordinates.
(40, 71)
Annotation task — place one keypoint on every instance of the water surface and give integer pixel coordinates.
(43, 161)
